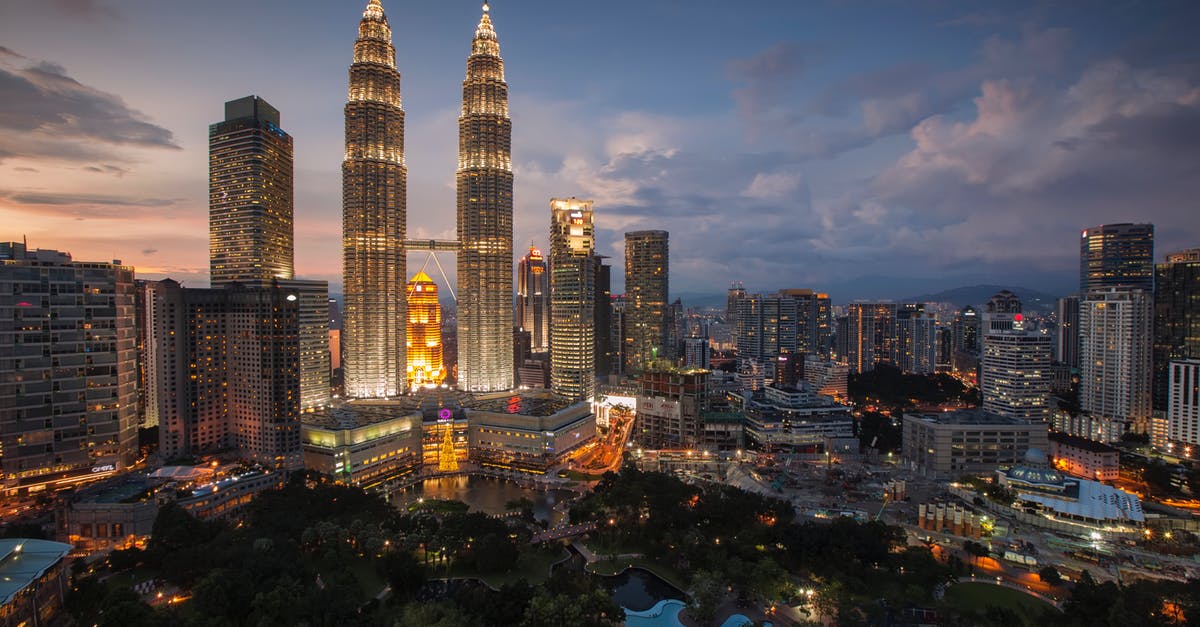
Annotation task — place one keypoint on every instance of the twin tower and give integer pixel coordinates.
(374, 215)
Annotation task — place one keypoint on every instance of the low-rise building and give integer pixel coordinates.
(364, 443)
(951, 444)
(33, 582)
(117, 514)
(1078, 501)
(795, 419)
(1085, 458)
(527, 432)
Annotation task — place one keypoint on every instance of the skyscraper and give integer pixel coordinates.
(1015, 374)
(1183, 406)
(374, 181)
(916, 342)
(1116, 255)
(249, 195)
(533, 299)
(871, 335)
(68, 369)
(1176, 316)
(424, 346)
(603, 316)
(227, 370)
(572, 298)
(1067, 338)
(1114, 356)
(647, 273)
(485, 220)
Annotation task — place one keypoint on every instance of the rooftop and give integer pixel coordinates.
(23, 561)
(1080, 443)
(536, 404)
(967, 417)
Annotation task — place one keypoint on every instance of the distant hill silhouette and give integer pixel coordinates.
(980, 294)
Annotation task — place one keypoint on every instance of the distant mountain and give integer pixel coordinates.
(980, 294)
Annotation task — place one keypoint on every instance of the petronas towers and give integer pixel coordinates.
(374, 217)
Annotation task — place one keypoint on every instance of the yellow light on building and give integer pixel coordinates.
(425, 366)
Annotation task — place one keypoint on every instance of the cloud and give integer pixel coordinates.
(84, 205)
(107, 168)
(149, 251)
(48, 114)
(766, 80)
(84, 8)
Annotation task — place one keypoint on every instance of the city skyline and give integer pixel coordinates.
(951, 115)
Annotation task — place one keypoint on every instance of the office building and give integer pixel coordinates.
(696, 353)
(1183, 407)
(1176, 317)
(647, 271)
(374, 201)
(424, 346)
(950, 445)
(828, 378)
(572, 298)
(1116, 255)
(227, 371)
(1002, 313)
(795, 419)
(249, 195)
(618, 334)
(68, 369)
(485, 220)
(670, 405)
(1067, 337)
(1015, 374)
(533, 299)
(1115, 365)
(35, 582)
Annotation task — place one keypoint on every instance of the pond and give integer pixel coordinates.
(485, 494)
(639, 590)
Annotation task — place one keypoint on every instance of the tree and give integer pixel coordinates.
(594, 609)
(1050, 575)
(707, 590)
(403, 572)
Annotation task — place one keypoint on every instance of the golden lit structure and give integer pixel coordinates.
(572, 298)
(447, 454)
(424, 345)
(249, 195)
(373, 216)
(533, 299)
(485, 220)
(646, 286)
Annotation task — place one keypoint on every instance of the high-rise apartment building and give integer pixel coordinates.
(1176, 317)
(1116, 255)
(814, 322)
(572, 298)
(1067, 337)
(485, 220)
(374, 201)
(916, 342)
(1114, 354)
(871, 335)
(734, 296)
(68, 369)
(1183, 406)
(227, 370)
(533, 299)
(424, 349)
(647, 273)
(249, 195)
(1015, 374)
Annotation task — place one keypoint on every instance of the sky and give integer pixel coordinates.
(868, 148)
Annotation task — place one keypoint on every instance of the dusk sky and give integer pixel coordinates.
(871, 148)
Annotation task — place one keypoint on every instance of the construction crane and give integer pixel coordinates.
(886, 497)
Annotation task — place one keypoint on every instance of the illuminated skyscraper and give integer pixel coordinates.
(1176, 317)
(1115, 360)
(533, 299)
(249, 194)
(1116, 255)
(485, 220)
(373, 216)
(572, 298)
(646, 285)
(425, 365)
(1015, 374)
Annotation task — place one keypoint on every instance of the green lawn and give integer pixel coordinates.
(368, 577)
(575, 475)
(969, 597)
(130, 578)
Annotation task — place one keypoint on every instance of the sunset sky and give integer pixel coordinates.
(872, 148)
